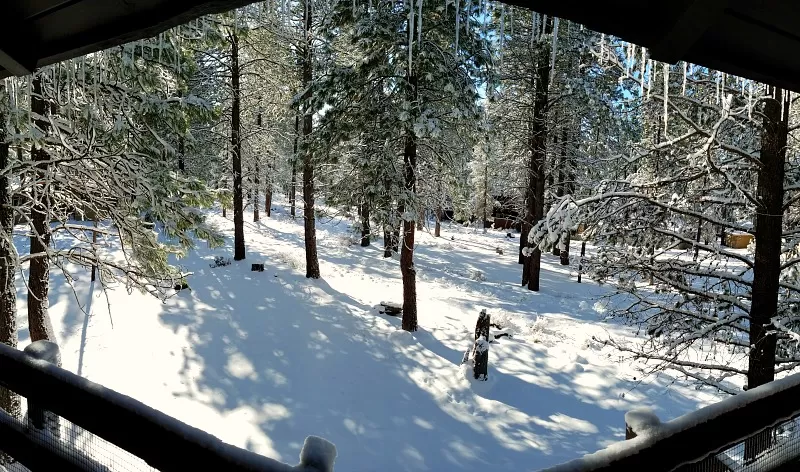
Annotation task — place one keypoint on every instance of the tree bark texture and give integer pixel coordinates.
(39, 277)
(9, 401)
(256, 183)
(437, 232)
(309, 217)
(365, 229)
(293, 184)
(236, 149)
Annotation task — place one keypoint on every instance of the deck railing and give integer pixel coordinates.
(73, 424)
(757, 430)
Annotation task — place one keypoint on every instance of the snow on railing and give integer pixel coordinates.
(161, 440)
(656, 446)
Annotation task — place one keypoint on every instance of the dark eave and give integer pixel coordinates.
(759, 40)
(37, 33)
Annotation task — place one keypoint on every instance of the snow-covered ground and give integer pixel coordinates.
(263, 359)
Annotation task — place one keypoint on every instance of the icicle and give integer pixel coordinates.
(750, 100)
(642, 72)
(666, 97)
(783, 102)
(160, 46)
(683, 90)
(533, 26)
(717, 89)
(458, 22)
(419, 25)
(554, 47)
(602, 46)
(650, 77)
(354, 8)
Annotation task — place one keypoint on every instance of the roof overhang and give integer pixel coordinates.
(757, 40)
(37, 33)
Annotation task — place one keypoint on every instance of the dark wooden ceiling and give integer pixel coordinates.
(37, 33)
(757, 39)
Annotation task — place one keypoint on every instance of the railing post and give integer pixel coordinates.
(318, 454)
(38, 417)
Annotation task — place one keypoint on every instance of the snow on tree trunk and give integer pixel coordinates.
(236, 149)
(309, 217)
(769, 221)
(39, 277)
(536, 165)
(9, 401)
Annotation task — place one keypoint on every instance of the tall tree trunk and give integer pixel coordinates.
(769, 224)
(437, 232)
(9, 401)
(407, 268)
(39, 278)
(236, 148)
(309, 218)
(767, 265)
(255, 193)
(293, 186)
(538, 146)
(407, 249)
(365, 229)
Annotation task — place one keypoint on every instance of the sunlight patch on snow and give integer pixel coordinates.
(240, 367)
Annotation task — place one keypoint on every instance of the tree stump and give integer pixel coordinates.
(257, 267)
(480, 350)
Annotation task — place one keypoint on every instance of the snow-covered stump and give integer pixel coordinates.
(38, 417)
(317, 455)
(480, 350)
(640, 421)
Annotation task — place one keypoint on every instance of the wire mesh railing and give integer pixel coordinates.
(68, 423)
(770, 449)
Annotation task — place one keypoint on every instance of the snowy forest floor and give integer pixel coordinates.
(263, 359)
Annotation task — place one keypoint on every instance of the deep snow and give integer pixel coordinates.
(264, 359)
